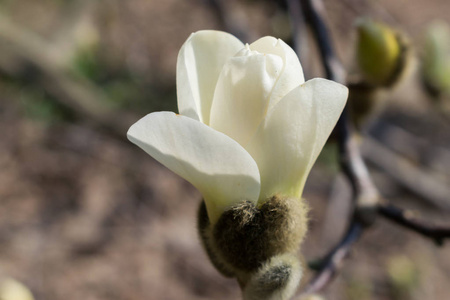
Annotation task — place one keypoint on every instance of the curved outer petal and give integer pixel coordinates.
(242, 93)
(216, 165)
(199, 63)
(291, 75)
(293, 134)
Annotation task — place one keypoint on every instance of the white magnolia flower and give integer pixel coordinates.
(10, 289)
(249, 126)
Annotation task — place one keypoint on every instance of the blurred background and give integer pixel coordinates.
(84, 214)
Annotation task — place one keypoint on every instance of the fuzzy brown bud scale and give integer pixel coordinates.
(247, 241)
(276, 279)
(204, 229)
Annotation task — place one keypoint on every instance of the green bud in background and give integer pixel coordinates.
(436, 59)
(382, 53)
(384, 58)
(11, 289)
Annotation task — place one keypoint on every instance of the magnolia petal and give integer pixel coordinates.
(216, 165)
(293, 134)
(242, 93)
(291, 75)
(199, 63)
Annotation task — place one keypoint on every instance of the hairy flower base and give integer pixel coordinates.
(257, 245)
(277, 279)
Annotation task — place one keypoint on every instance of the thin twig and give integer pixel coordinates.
(365, 194)
(366, 199)
(314, 14)
(407, 219)
(418, 181)
(299, 32)
(333, 262)
(415, 163)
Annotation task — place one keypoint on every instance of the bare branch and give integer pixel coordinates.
(420, 182)
(314, 13)
(366, 194)
(407, 219)
(299, 32)
(333, 262)
(365, 197)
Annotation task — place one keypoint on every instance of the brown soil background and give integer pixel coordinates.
(84, 214)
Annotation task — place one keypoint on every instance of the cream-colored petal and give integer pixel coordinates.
(292, 135)
(10, 289)
(242, 93)
(291, 75)
(199, 63)
(215, 164)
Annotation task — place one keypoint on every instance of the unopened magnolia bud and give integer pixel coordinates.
(247, 236)
(276, 279)
(238, 235)
(436, 59)
(383, 54)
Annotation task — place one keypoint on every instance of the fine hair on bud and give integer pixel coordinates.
(285, 219)
(276, 279)
(204, 230)
(246, 236)
(404, 61)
